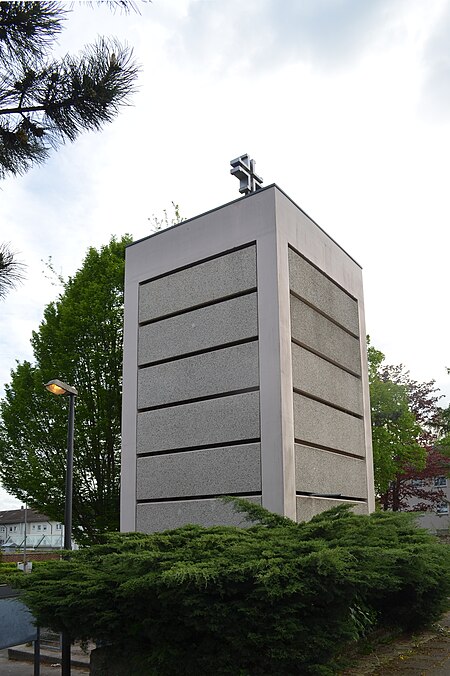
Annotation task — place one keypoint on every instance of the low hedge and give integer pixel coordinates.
(277, 598)
(9, 572)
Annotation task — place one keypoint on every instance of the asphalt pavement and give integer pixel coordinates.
(425, 654)
(13, 668)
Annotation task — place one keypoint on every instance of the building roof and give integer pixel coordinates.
(18, 516)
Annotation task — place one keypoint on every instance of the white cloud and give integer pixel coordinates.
(435, 101)
(262, 35)
(8, 501)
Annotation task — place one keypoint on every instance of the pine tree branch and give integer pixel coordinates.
(57, 101)
(126, 6)
(11, 270)
(20, 110)
(28, 28)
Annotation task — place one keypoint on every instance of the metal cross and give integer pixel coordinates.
(244, 170)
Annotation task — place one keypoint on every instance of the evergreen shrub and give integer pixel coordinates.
(276, 598)
(8, 572)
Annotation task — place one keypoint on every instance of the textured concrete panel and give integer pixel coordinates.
(318, 377)
(317, 332)
(320, 424)
(227, 322)
(309, 507)
(214, 421)
(159, 516)
(212, 471)
(204, 282)
(319, 471)
(227, 370)
(322, 293)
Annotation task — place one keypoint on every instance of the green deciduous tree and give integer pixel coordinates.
(80, 342)
(406, 426)
(395, 431)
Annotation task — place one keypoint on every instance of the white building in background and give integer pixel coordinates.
(39, 530)
(437, 520)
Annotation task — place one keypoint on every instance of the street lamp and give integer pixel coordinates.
(58, 387)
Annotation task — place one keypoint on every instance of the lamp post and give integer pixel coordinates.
(58, 387)
(25, 538)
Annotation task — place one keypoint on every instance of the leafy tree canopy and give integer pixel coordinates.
(80, 342)
(406, 426)
(395, 431)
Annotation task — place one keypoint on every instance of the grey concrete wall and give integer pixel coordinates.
(159, 516)
(212, 471)
(197, 386)
(318, 423)
(236, 347)
(309, 507)
(203, 375)
(204, 282)
(228, 322)
(319, 471)
(321, 379)
(316, 332)
(201, 423)
(314, 287)
(328, 397)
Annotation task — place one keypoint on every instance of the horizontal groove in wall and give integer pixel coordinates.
(189, 498)
(183, 402)
(190, 449)
(327, 403)
(199, 306)
(186, 355)
(199, 262)
(324, 314)
(313, 265)
(325, 358)
(310, 444)
(337, 496)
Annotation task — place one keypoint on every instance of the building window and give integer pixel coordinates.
(45, 527)
(34, 526)
(419, 483)
(58, 526)
(440, 480)
(442, 508)
(10, 529)
(39, 527)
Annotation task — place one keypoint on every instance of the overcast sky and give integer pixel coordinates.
(344, 104)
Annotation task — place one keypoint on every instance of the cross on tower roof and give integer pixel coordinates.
(244, 169)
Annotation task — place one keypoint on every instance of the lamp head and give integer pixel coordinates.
(58, 387)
